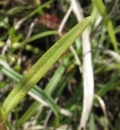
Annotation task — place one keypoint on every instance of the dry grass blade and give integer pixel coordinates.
(64, 20)
(102, 104)
(87, 69)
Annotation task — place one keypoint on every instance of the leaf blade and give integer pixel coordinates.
(42, 66)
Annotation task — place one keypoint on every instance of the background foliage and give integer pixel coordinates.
(27, 30)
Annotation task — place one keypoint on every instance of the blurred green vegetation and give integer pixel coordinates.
(28, 29)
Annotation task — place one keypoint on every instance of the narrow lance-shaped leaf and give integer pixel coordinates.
(42, 66)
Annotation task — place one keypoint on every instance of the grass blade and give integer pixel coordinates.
(102, 9)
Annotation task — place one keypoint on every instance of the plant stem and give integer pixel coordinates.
(2, 120)
(1, 115)
(3, 125)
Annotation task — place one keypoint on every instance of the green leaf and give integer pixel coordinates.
(42, 66)
(31, 110)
